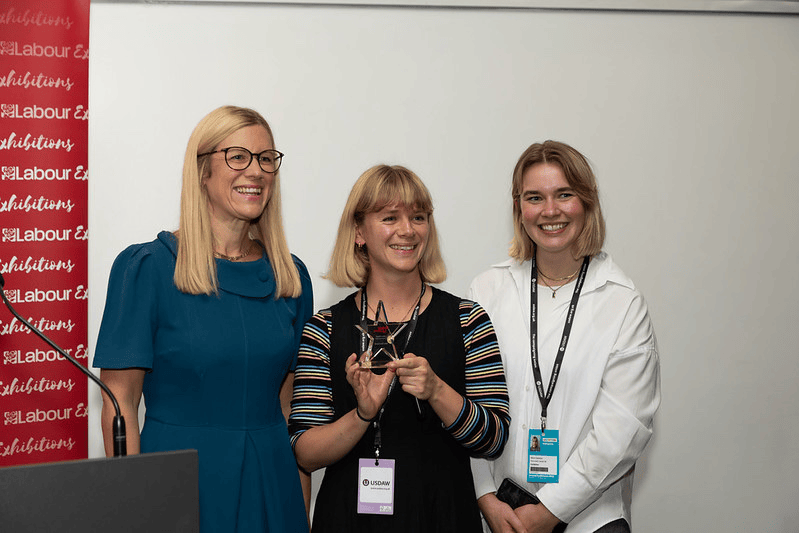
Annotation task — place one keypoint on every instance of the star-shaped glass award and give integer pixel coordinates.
(382, 348)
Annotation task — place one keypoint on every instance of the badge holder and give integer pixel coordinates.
(543, 456)
(376, 487)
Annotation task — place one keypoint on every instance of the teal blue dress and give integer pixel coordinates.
(214, 369)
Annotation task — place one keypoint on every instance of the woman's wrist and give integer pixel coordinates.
(358, 414)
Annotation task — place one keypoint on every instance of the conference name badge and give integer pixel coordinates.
(542, 456)
(376, 487)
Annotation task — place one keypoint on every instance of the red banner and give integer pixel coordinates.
(44, 76)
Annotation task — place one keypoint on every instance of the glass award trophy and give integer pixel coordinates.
(382, 348)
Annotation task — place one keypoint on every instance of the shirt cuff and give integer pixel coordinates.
(483, 477)
(569, 496)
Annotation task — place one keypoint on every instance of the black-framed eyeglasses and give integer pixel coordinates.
(238, 158)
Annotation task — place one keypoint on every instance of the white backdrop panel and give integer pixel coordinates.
(691, 121)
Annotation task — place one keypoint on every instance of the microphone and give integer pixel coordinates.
(120, 439)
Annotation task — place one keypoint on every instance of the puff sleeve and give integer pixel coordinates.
(129, 320)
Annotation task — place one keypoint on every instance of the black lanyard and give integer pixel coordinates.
(539, 385)
(365, 342)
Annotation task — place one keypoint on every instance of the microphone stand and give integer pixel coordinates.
(120, 438)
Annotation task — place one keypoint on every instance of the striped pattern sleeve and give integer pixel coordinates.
(482, 426)
(312, 403)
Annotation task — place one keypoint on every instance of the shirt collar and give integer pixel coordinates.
(601, 270)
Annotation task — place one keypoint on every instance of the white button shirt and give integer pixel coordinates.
(605, 398)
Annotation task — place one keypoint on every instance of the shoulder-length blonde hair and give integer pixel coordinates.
(580, 177)
(195, 272)
(378, 187)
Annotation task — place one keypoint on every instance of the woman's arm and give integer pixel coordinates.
(317, 438)
(419, 380)
(124, 350)
(621, 421)
(126, 385)
(323, 445)
(480, 420)
(286, 390)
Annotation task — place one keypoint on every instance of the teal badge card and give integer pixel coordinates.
(542, 456)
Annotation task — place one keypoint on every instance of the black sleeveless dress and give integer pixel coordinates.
(434, 491)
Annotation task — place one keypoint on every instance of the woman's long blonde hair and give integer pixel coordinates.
(195, 271)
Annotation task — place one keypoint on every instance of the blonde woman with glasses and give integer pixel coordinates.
(204, 324)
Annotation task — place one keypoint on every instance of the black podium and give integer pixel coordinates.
(152, 492)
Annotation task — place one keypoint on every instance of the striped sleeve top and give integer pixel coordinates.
(481, 426)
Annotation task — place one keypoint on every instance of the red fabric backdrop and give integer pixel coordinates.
(44, 66)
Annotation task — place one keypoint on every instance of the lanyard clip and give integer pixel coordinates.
(543, 424)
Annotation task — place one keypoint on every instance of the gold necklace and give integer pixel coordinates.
(556, 289)
(244, 254)
(558, 279)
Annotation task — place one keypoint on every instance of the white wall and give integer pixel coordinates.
(691, 121)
